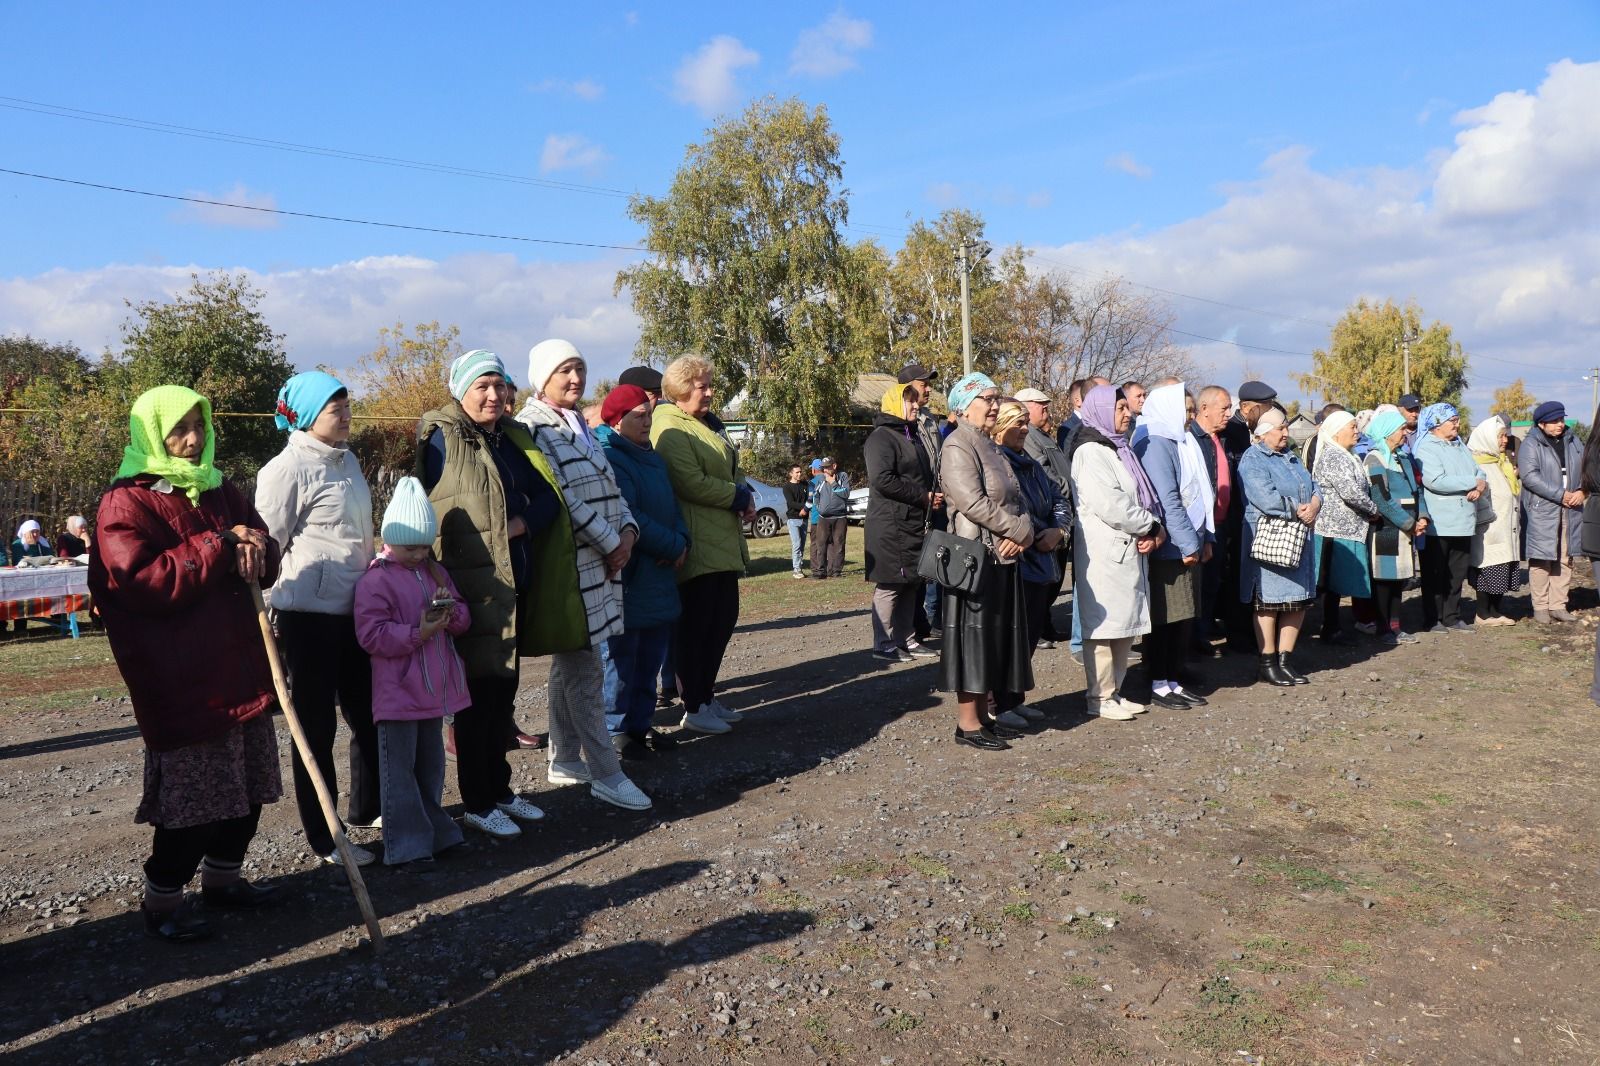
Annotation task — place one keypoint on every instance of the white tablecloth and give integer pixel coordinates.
(31, 582)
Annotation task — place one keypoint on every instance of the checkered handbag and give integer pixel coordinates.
(1278, 541)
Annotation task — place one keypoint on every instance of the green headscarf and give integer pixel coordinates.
(152, 418)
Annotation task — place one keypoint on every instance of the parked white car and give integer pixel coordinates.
(858, 505)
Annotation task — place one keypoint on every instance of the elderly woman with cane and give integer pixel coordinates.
(986, 649)
(1278, 580)
(604, 533)
(176, 552)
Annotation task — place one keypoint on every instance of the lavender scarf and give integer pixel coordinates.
(1100, 413)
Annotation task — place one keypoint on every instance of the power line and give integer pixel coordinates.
(199, 133)
(321, 218)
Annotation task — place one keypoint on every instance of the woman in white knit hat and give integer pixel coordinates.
(604, 533)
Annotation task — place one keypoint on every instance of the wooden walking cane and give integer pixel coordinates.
(324, 797)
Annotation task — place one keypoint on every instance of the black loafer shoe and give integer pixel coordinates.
(981, 738)
(1191, 698)
(177, 926)
(659, 741)
(241, 894)
(1170, 700)
(1004, 732)
(629, 747)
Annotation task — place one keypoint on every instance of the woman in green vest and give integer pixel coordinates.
(494, 500)
(704, 470)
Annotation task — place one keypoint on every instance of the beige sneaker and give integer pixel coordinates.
(1113, 709)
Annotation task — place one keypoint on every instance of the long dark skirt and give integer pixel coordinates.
(986, 646)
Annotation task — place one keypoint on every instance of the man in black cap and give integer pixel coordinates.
(1411, 407)
(1255, 398)
(647, 378)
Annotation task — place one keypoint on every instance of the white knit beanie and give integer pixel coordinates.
(544, 357)
(409, 521)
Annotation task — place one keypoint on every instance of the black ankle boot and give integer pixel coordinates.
(1295, 676)
(1272, 675)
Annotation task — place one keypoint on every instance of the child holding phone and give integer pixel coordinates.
(407, 610)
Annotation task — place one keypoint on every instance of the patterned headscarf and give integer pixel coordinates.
(1099, 412)
(963, 392)
(1435, 415)
(152, 418)
(1382, 426)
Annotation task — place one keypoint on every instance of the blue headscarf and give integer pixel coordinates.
(963, 392)
(1435, 415)
(1382, 426)
(303, 397)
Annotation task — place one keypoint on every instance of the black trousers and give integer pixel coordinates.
(1386, 597)
(1237, 614)
(1166, 650)
(326, 662)
(1053, 591)
(827, 546)
(1445, 561)
(1211, 578)
(710, 613)
(177, 853)
(483, 773)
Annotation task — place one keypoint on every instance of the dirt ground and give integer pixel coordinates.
(1393, 864)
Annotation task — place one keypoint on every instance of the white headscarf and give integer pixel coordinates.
(1485, 437)
(1330, 428)
(30, 526)
(1165, 416)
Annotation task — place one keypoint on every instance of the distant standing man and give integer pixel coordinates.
(1255, 399)
(932, 435)
(1213, 408)
(1135, 392)
(1041, 444)
(832, 501)
(796, 509)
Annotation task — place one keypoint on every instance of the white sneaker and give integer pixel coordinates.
(567, 773)
(1130, 706)
(1012, 719)
(376, 823)
(1112, 709)
(727, 714)
(361, 855)
(496, 823)
(1033, 714)
(798, 576)
(626, 795)
(521, 809)
(706, 720)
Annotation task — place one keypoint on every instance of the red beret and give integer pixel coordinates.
(621, 400)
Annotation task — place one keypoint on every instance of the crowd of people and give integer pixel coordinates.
(611, 541)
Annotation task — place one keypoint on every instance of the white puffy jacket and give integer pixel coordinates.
(318, 508)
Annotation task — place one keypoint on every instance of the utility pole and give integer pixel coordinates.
(1405, 344)
(964, 262)
(1594, 380)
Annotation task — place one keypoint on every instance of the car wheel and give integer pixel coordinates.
(767, 525)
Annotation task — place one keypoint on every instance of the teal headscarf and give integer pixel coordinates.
(963, 392)
(1382, 426)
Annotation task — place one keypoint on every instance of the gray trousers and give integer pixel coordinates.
(411, 769)
(893, 615)
(578, 730)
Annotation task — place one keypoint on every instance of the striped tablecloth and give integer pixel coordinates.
(39, 592)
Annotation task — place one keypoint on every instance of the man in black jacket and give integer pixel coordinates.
(1213, 408)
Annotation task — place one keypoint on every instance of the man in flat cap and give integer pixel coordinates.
(647, 378)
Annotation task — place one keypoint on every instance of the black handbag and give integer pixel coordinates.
(959, 564)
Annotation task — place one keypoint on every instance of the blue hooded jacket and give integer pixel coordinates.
(649, 582)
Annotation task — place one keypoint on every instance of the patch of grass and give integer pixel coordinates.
(1088, 929)
(773, 960)
(1134, 899)
(979, 924)
(1006, 827)
(1567, 912)
(861, 869)
(1411, 804)
(1305, 878)
(1059, 817)
(1356, 949)
(1056, 862)
(902, 1023)
(790, 900)
(929, 867)
(1226, 1017)
(1441, 799)
(1082, 982)
(1346, 979)
(1022, 912)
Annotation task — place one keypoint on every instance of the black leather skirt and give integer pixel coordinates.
(985, 646)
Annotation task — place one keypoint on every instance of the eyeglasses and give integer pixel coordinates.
(991, 400)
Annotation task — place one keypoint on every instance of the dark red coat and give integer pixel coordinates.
(182, 625)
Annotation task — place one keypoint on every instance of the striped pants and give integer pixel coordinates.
(578, 713)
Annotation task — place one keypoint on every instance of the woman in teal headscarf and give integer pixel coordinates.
(1390, 550)
(170, 569)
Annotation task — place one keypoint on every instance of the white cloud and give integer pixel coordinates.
(943, 194)
(1485, 238)
(571, 151)
(213, 214)
(583, 88)
(829, 50)
(332, 314)
(1125, 162)
(707, 80)
(1039, 199)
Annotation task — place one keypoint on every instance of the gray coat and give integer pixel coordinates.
(1048, 454)
(1539, 466)
(980, 489)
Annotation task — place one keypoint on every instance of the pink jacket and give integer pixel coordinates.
(411, 680)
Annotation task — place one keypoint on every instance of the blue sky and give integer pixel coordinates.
(1282, 157)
